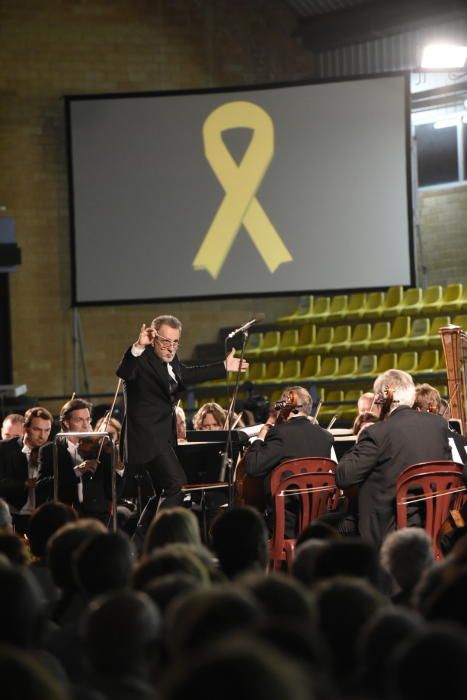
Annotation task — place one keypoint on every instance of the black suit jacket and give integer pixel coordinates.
(97, 488)
(13, 472)
(298, 437)
(383, 451)
(149, 421)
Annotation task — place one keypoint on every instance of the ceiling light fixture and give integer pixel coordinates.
(444, 56)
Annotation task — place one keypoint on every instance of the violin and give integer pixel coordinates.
(385, 399)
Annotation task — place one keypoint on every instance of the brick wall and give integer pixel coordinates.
(443, 227)
(56, 47)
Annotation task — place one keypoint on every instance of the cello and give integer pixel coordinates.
(249, 490)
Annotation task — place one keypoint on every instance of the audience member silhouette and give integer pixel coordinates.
(172, 559)
(240, 540)
(405, 554)
(170, 526)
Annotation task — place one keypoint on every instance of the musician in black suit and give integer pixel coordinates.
(298, 436)
(18, 466)
(385, 449)
(83, 482)
(153, 379)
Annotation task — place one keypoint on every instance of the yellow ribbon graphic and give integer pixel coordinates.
(240, 182)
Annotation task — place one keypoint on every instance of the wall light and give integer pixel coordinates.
(444, 56)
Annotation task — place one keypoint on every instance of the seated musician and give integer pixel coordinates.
(428, 398)
(211, 416)
(297, 436)
(134, 489)
(385, 449)
(83, 481)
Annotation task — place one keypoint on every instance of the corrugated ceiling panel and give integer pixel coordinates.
(312, 8)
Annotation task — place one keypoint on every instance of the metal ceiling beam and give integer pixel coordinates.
(375, 20)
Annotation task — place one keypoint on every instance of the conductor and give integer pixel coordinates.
(153, 378)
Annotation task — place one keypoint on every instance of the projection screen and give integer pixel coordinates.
(275, 190)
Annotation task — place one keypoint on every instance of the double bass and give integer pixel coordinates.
(249, 490)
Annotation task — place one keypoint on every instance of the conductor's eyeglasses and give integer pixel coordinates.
(166, 342)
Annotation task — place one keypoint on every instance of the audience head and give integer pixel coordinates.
(171, 526)
(431, 664)
(24, 677)
(62, 546)
(317, 530)
(348, 556)
(240, 540)
(12, 426)
(121, 632)
(304, 560)
(205, 617)
(278, 595)
(5, 516)
(405, 554)
(165, 589)
(427, 399)
(210, 416)
(379, 638)
(448, 601)
(14, 548)
(22, 612)
(171, 559)
(401, 384)
(104, 563)
(243, 668)
(343, 606)
(46, 520)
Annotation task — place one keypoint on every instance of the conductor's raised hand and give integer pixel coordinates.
(146, 336)
(232, 363)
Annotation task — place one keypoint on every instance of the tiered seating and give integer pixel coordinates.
(342, 342)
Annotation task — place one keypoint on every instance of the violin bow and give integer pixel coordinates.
(108, 417)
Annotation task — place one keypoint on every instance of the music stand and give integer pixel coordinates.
(227, 457)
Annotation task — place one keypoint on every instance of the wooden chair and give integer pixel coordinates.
(312, 480)
(439, 486)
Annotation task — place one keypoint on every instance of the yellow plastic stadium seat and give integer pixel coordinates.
(324, 338)
(356, 306)
(453, 298)
(291, 372)
(367, 365)
(428, 362)
(412, 301)
(306, 339)
(273, 371)
(419, 333)
(373, 304)
(400, 332)
(320, 309)
(392, 301)
(328, 368)
(460, 320)
(434, 338)
(288, 342)
(385, 362)
(275, 396)
(432, 299)
(408, 361)
(441, 366)
(338, 307)
(360, 338)
(310, 367)
(253, 344)
(380, 332)
(256, 371)
(348, 366)
(331, 404)
(348, 411)
(341, 338)
(304, 309)
(270, 344)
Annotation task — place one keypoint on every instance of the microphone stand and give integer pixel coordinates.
(227, 456)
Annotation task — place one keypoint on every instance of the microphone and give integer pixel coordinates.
(259, 318)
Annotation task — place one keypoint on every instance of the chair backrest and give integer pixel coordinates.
(312, 481)
(439, 486)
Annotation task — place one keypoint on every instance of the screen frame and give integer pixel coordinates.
(70, 99)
